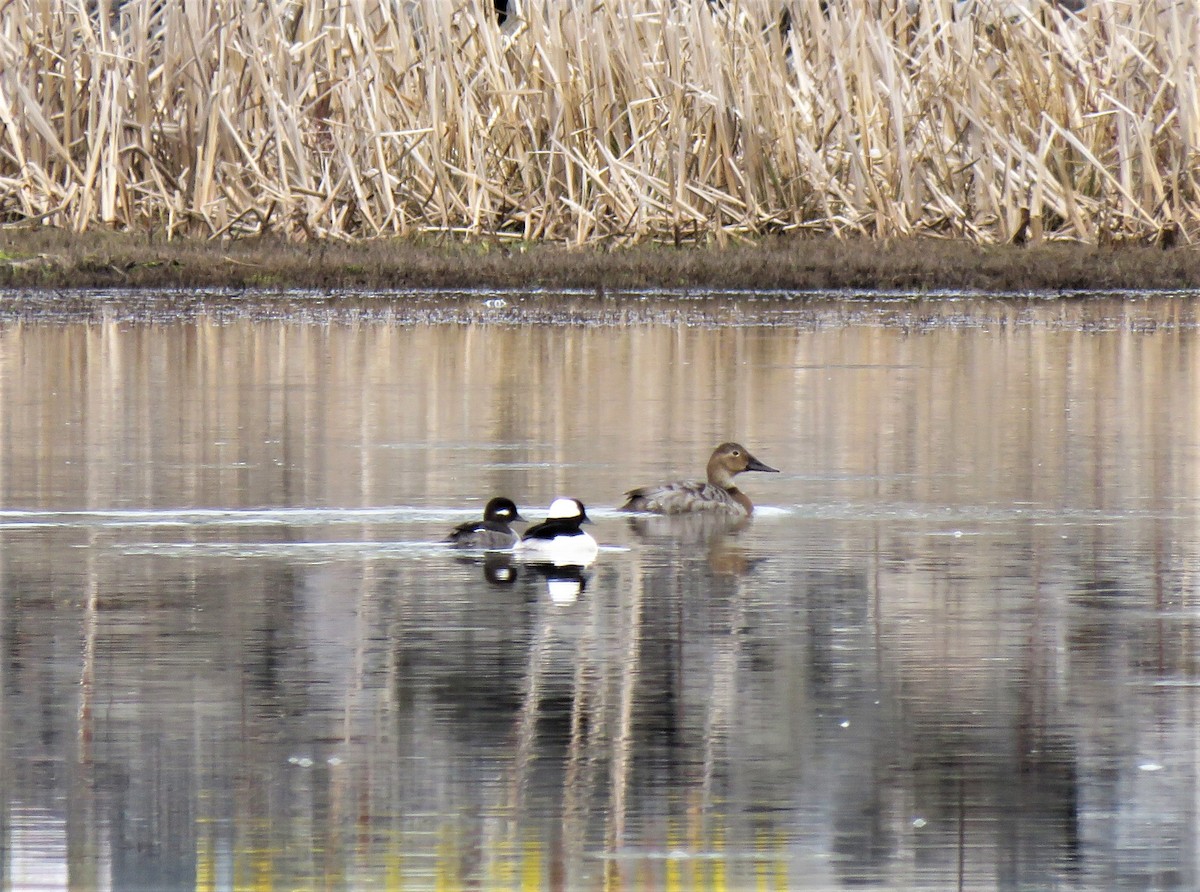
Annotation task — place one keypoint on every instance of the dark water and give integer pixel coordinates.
(956, 648)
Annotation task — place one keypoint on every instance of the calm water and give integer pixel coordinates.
(958, 647)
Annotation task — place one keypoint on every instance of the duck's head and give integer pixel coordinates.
(502, 510)
(733, 458)
(567, 509)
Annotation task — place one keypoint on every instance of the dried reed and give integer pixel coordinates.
(603, 121)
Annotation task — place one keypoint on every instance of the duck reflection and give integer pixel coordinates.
(564, 582)
(498, 567)
(714, 532)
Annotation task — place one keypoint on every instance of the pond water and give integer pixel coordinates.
(958, 646)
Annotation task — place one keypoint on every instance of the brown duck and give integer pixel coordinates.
(717, 493)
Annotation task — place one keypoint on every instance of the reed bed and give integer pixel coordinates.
(602, 122)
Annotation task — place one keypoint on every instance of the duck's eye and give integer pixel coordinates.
(735, 452)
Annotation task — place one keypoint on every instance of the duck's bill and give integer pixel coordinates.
(754, 464)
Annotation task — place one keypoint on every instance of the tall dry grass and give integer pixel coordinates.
(616, 120)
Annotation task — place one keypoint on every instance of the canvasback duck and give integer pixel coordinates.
(558, 538)
(493, 531)
(717, 493)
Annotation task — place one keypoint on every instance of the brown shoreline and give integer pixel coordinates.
(47, 258)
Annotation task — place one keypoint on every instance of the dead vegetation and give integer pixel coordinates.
(605, 123)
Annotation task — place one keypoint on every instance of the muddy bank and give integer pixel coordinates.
(55, 259)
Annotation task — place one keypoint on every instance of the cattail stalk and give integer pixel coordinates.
(610, 121)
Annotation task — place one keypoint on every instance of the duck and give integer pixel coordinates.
(491, 533)
(559, 539)
(718, 493)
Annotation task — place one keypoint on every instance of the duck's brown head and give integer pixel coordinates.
(729, 459)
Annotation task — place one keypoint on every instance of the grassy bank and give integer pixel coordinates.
(606, 123)
(50, 258)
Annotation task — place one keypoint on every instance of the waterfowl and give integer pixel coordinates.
(559, 538)
(493, 531)
(717, 493)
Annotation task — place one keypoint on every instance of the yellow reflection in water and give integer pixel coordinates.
(530, 866)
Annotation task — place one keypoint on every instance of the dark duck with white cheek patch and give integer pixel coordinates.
(493, 532)
(718, 493)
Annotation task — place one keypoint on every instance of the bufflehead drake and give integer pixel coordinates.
(717, 493)
(558, 538)
(493, 531)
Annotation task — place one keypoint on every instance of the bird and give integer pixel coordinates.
(491, 533)
(559, 539)
(717, 493)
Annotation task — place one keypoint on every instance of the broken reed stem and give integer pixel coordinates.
(613, 120)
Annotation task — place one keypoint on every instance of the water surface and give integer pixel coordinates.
(955, 648)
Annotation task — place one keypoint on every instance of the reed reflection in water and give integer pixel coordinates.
(955, 647)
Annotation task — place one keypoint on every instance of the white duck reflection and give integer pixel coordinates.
(564, 582)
